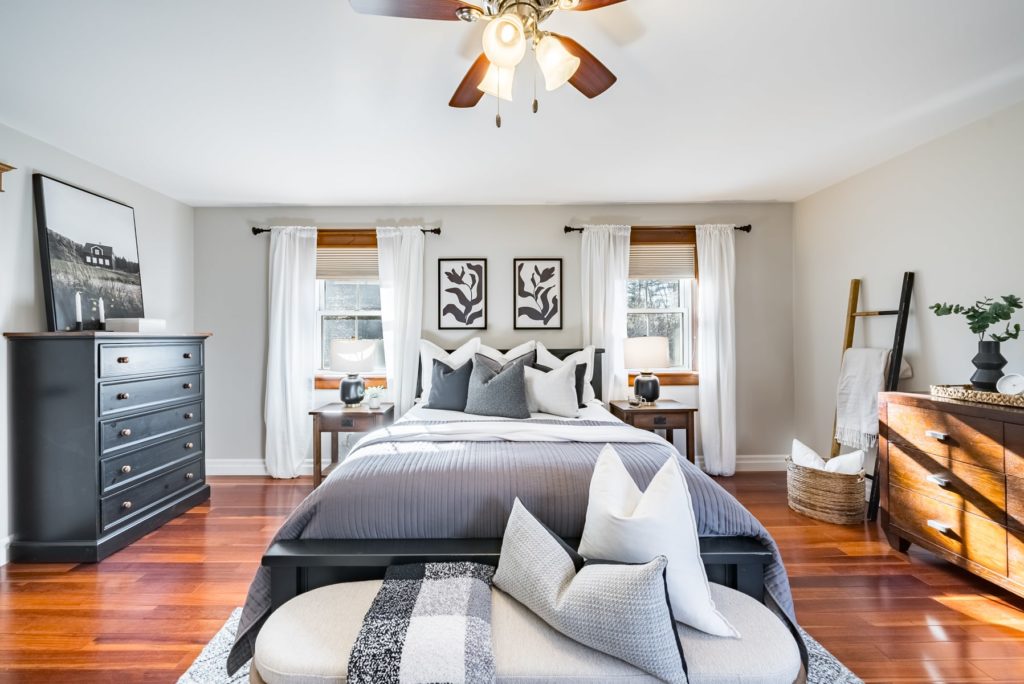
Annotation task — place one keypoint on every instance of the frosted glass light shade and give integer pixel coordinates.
(556, 63)
(505, 41)
(498, 82)
(353, 356)
(645, 353)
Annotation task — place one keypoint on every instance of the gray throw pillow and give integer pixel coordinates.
(618, 609)
(527, 359)
(449, 386)
(500, 393)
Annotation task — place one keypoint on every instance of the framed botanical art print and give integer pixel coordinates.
(462, 294)
(537, 295)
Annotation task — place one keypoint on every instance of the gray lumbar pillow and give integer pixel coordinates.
(618, 609)
(449, 386)
(500, 393)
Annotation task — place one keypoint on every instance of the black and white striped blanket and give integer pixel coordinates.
(430, 622)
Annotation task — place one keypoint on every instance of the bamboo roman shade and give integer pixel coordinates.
(346, 255)
(677, 260)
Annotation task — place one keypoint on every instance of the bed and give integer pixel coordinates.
(444, 475)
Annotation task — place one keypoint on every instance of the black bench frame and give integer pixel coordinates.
(303, 565)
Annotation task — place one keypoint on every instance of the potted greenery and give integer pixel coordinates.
(981, 316)
(373, 397)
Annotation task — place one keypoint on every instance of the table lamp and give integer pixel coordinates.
(643, 354)
(353, 357)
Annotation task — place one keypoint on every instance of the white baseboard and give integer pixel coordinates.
(755, 463)
(5, 549)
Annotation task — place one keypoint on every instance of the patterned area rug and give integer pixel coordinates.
(209, 667)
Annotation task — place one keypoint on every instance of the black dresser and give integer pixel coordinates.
(106, 439)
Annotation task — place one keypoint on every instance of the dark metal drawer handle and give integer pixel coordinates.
(935, 434)
(660, 420)
(122, 359)
(938, 480)
(126, 505)
(189, 445)
(127, 432)
(188, 416)
(347, 422)
(190, 476)
(126, 469)
(941, 527)
(187, 385)
(123, 395)
(187, 355)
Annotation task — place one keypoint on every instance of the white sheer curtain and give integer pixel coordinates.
(716, 346)
(604, 273)
(291, 349)
(400, 260)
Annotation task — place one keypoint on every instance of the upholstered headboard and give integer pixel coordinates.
(560, 353)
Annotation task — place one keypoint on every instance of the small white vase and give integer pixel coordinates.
(373, 402)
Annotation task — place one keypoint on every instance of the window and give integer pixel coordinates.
(348, 310)
(663, 307)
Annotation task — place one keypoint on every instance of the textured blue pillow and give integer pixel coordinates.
(449, 386)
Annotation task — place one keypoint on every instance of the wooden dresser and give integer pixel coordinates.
(106, 439)
(952, 481)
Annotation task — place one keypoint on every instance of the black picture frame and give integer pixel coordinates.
(548, 309)
(473, 303)
(94, 268)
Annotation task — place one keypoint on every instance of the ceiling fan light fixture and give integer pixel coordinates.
(568, 4)
(505, 41)
(498, 82)
(556, 63)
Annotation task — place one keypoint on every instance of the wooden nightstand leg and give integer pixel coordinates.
(691, 453)
(670, 436)
(316, 452)
(334, 448)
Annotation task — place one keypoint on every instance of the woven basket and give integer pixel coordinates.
(968, 393)
(832, 497)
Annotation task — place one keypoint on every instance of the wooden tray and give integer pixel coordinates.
(968, 393)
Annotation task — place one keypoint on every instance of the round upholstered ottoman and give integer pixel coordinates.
(308, 640)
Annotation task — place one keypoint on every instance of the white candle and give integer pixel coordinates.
(78, 307)
(103, 318)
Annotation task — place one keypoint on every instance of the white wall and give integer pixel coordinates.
(231, 302)
(165, 252)
(952, 211)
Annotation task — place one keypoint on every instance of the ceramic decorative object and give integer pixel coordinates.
(1011, 384)
(990, 363)
(647, 386)
(352, 389)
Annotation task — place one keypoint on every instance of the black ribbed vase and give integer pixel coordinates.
(990, 363)
(352, 389)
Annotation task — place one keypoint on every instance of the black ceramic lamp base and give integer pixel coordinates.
(647, 387)
(352, 390)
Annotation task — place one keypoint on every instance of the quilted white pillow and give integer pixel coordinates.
(430, 351)
(553, 392)
(510, 355)
(627, 525)
(848, 464)
(584, 356)
(805, 456)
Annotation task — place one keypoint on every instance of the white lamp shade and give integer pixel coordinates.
(505, 41)
(353, 356)
(644, 353)
(498, 82)
(556, 63)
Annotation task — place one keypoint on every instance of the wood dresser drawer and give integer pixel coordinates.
(135, 501)
(967, 535)
(1015, 502)
(1015, 450)
(969, 488)
(1016, 556)
(121, 433)
(127, 469)
(124, 396)
(660, 421)
(135, 359)
(967, 439)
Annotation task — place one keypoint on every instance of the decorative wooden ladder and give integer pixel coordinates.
(892, 380)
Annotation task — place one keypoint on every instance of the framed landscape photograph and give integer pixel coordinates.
(537, 294)
(462, 294)
(89, 256)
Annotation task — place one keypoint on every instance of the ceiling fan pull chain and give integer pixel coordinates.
(497, 118)
(536, 104)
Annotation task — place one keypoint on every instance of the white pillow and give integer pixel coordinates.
(510, 355)
(807, 457)
(584, 356)
(430, 351)
(553, 392)
(848, 464)
(626, 525)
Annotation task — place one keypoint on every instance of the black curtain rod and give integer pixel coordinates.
(259, 231)
(570, 229)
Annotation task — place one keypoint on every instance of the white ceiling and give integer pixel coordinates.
(305, 102)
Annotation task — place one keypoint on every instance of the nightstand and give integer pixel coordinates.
(337, 417)
(665, 414)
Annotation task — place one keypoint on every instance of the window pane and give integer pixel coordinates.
(347, 328)
(668, 325)
(635, 295)
(370, 328)
(369, 297)
(652, 294)
(340, 296)
(636, 325)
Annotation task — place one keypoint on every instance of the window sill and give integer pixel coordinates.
(673, 378)
(332, 381)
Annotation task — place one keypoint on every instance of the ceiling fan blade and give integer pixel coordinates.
(467, 94)
(443, 10)
(586, 5)
(593, 77)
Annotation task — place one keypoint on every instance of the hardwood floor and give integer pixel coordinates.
(144, 614)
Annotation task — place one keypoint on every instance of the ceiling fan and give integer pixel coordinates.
(513, 26)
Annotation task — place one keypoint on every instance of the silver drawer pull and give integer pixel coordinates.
(189, 445)
(190, 476)
(938, 480)
(935, 434)
(123, 395)
(126, 505)
(122, 359)
(187, 355)
(127, 432)
(126, 469)
(187, 385)
(941, 527)
(189, 416)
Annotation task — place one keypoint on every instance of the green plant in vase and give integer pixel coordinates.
(373, 396)
(981, 316)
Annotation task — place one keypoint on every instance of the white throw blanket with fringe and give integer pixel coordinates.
(861, 379)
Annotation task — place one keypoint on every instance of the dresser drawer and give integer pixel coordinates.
(1016, 556)
(124, 396)
(139, 359)
(967, 535)
(134, 501)
(126, 469)
(976, 441)
(1015, 502)
(124, 432)
(659, 421)
(966, 487)
(1015, 450)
